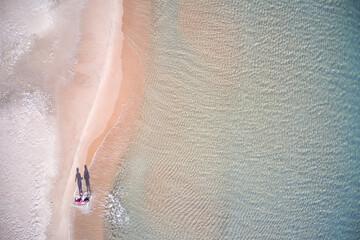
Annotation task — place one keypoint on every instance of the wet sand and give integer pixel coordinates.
(99, 104)
(88, 221)
(79, 102)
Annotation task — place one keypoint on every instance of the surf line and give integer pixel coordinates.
(104, 139)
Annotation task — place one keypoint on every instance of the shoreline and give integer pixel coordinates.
(78, 101)
(101, 101)
(120, 128)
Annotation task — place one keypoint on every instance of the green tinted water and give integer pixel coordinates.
(249, 127)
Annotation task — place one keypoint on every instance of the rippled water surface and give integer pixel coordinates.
(250, 125)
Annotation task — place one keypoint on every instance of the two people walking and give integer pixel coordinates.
(78, 178)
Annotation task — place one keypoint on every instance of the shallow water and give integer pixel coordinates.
(249, 127)
(27, 167)
(34, 59)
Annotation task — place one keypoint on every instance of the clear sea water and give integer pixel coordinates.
(250, 125)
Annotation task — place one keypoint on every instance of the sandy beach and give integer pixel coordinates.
(195, 119)
(98, 96)
(78, 103)
(114, 140)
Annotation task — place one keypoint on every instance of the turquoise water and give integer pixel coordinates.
(250, 125)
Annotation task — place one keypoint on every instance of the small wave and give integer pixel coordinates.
(116, 214)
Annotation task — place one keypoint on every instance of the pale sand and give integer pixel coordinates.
(81, 100)
(88, 107)
(88, 222)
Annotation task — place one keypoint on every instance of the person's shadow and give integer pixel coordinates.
(87, 180)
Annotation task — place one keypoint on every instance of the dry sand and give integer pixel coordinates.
(89, 105)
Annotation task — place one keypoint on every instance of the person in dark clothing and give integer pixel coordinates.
(87, 180)
(78, 178)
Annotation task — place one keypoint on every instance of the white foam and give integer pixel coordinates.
(115, 213)
(27, 168)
